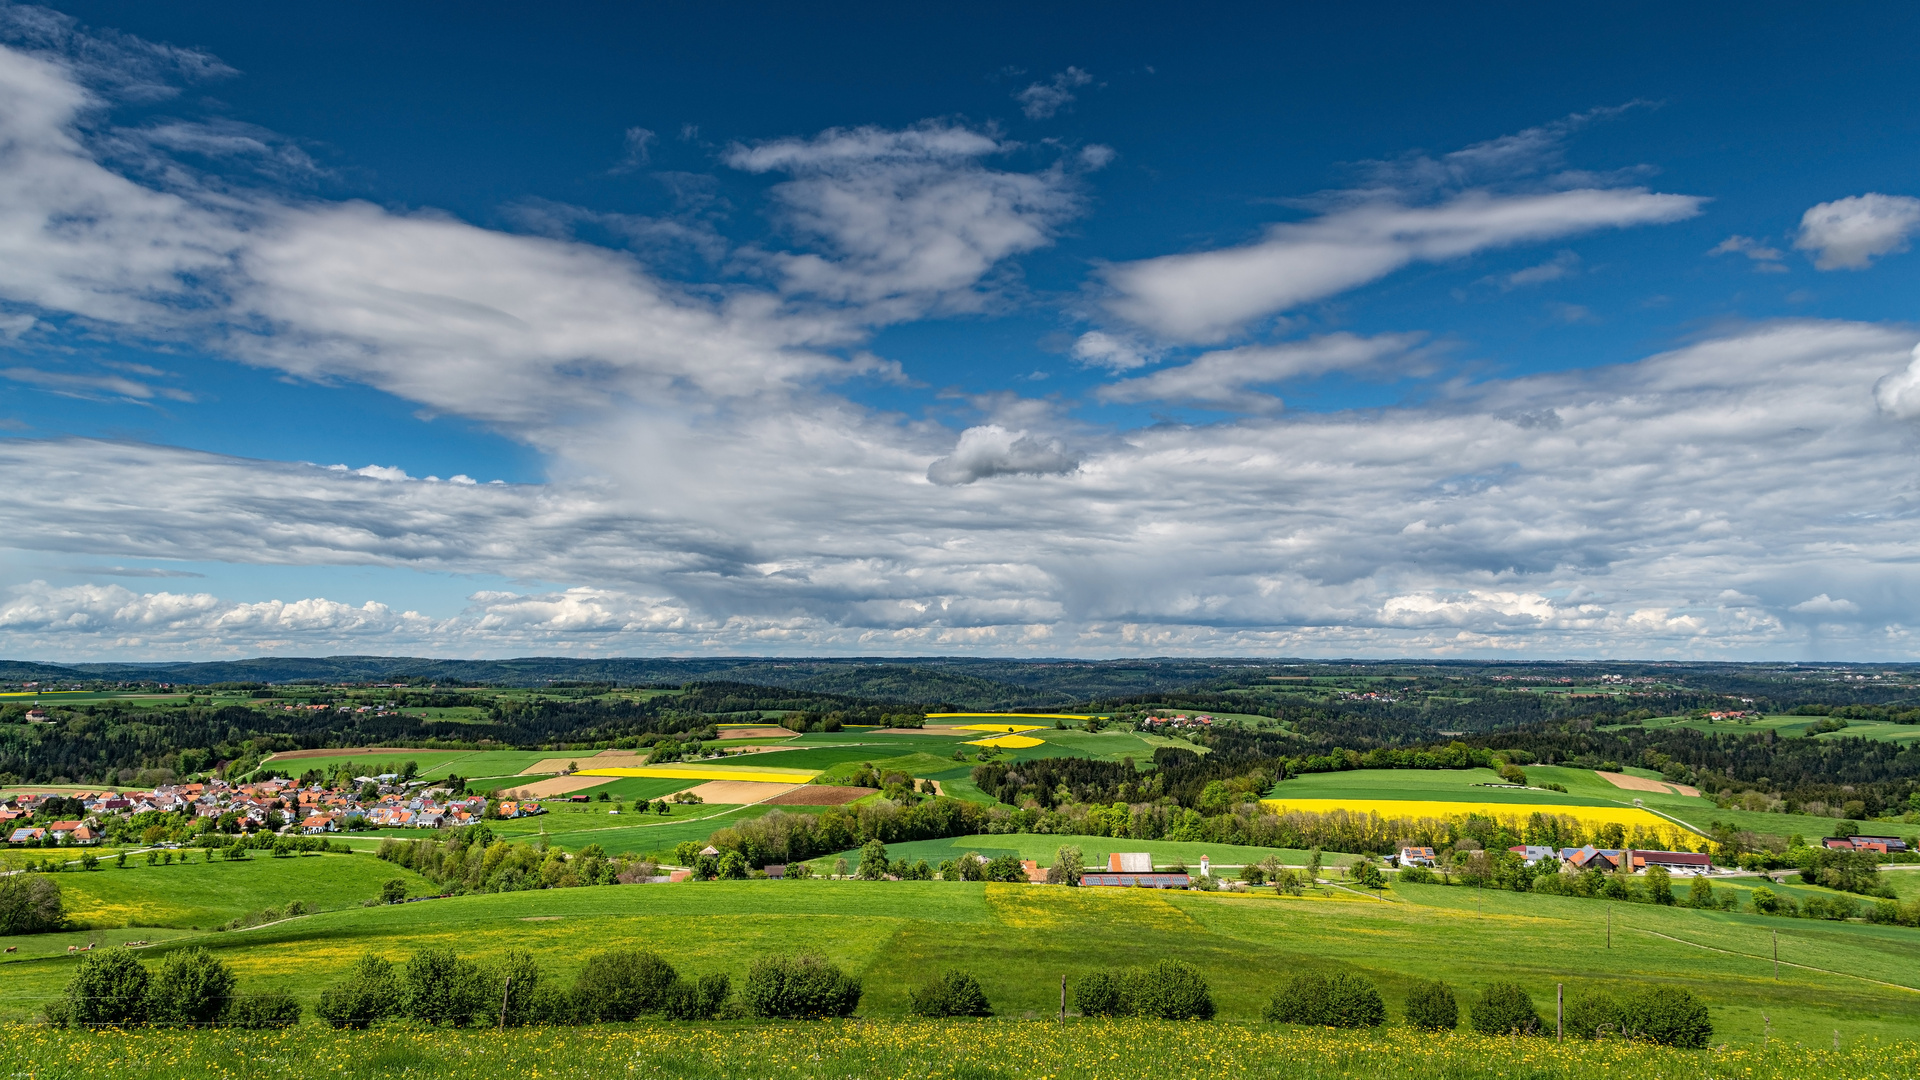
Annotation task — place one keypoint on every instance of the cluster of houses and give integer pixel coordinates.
(267, 804)
(1633, 860)
(1880, 845)
(1199, 721)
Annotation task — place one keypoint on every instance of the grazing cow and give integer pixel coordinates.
(88, 947)
(13, 948)
(73, 948)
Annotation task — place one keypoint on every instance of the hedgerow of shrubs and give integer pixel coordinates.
(950, 993)
(1505, 1009)
(1431, 1007)
(191, 988)
(1169, 990)
(803, 987)
(1661, 1014)
(1339, 1000)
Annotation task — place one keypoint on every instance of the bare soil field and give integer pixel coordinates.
(754, 733)
(605, 759)
(740, 791)
(1640, 783)
(555, 785)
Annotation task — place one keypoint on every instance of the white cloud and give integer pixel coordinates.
(1041, 100)
(911, 219)
(1765, 259)
(1114, 352)
(1221, 379)
(1210, 295)
(991, 450)
(1848, 234)
(1825, 605)
(1553, 269)
(1898, 394)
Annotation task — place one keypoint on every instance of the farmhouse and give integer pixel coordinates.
(1884, 845)
(1130, 862)
(1097, 879)
(25, 835)
(1417, 856)
(1533, 853)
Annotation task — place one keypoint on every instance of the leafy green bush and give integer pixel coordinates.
(1667, 1015)
(950, 993)
(29, 904)
(263, 1010)
(1417, 875)
(1338, 1000)
(1592, 1014)
(1505, 1009)
(622, 984)
(369, 993)
(108, 988)
(191, 989)
(803, 987)
(1170, 990)
(1431, 1007)
(441, 987)
(526, 995)
(1100, 993)
(697, 999)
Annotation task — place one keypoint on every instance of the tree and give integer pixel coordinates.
(369, 993)
(1338, 1000)
(873, 861)
(1659, 885)
(1100, 993)
(393, 891)
(802, 987)
(1313, 865)
(1068, 866)
(1431, 1006)
(441, 987)
(1368, 876)
(950, 993)
(622, 985)
(1505, 1009)
(1005, 868)
(191, 989)
(1593, 1014)
(109, 988)
(30, 904)
(1700, 893)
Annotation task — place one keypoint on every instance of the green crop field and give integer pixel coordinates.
(195, 893)
(1094, 849)
(432, 763)
(1020, 939)
(1788, 727)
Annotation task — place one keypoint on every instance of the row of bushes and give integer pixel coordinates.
(190, 988)
(1660, 1014)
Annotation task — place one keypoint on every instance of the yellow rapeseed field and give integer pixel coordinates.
(710, 772)
(1008, 742)
(1628, 816)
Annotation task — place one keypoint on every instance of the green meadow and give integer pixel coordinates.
(1094, 849)
(195, 893)
(1020, 939)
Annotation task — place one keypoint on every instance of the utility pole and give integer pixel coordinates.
(504, 991)
(1559, 1012)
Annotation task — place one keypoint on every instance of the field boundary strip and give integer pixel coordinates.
(1763, 958)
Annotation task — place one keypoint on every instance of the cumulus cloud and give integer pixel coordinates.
(1043, 99)
(1765, 259)
(991, 450)
(1825, 605)
(1114, 352)
(1898, 394)
(1848, 234)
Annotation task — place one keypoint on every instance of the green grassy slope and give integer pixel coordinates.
(1094, 849)
(1019, 940)
(202, 894)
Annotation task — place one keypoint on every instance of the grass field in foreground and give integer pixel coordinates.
(933, 1050)
(1020, 939)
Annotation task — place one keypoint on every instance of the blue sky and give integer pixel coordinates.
(1096, 331)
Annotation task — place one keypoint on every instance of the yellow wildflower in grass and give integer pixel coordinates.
(934, 1049)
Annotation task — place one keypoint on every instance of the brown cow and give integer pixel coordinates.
(13, 948)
